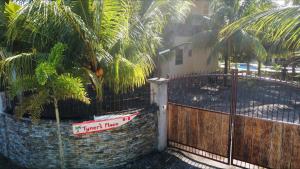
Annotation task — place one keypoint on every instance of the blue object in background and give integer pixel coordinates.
(243, 66)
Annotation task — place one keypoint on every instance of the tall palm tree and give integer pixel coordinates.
(240, 43)
(112, 41)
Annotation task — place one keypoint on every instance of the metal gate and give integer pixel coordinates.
(208, 116)
(198, 131)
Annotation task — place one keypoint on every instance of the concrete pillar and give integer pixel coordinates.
(160, 97)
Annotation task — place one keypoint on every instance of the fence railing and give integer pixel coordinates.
(207, 91)
(259, 97)
(111, 102)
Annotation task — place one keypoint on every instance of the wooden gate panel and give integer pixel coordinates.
(193, 127)
(239, 143)
(287, 143)
(224, 134)
(201, 129)
(172, 121)
(182, 125)
(296, 149)
(275, 150)
(266, 143)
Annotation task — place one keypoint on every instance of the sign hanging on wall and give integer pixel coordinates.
(102, 123)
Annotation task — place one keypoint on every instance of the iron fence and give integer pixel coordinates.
(206, 91)
(111, 102)
(258, 97)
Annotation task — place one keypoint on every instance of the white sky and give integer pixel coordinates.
(279, 2)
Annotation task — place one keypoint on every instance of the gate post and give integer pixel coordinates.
(159, 95)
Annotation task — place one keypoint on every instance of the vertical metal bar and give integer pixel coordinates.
(234, 77)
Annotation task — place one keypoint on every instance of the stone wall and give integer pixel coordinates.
(36, 146)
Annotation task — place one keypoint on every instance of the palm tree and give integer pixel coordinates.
(46, 84)
(111, 41)
(293, 2)
(278, 26)
(242, 42)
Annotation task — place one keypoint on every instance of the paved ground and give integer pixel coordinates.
(255, 98)
(171, 159)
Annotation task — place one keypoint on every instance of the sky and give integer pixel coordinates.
(279, 2)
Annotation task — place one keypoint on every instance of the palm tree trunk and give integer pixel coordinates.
(60, 144)
(226, 64)
(283, 73)
(259, 68)
(248, 68)
(294, 69)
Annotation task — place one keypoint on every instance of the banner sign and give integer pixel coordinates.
(102, 123)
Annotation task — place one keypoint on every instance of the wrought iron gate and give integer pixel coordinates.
(208, 116)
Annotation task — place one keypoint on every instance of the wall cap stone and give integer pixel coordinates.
(157, 80)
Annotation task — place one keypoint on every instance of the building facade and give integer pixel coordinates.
(184, 57)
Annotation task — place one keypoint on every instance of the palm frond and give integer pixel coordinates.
(205, 39)
(275, 24)
(33, 105)
(252, 45)
(68, 87)
(44, 71)
(44, 23)
(96, 81)
(56, 54)
(11, 9)
(114, 22)
(21, 64)
(22, 84)
(138, 67)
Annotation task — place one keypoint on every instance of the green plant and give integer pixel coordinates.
(45, 85)
(116, 37)
(276, 67)
(278, 26)
(242, 45)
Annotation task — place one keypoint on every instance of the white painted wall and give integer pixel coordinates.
(181, 34)
(195, 64)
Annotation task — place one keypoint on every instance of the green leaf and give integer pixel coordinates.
(57, 53)
(21, 84)
(11, 10)
(33, 105)
(67, 87)
(44, 71)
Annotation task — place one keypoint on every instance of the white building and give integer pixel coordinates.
(184, 58)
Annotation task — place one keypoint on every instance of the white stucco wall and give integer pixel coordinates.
(198, 61)
(195, 64)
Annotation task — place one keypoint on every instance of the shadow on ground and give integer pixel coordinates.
(6, 164)
(170, 159)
